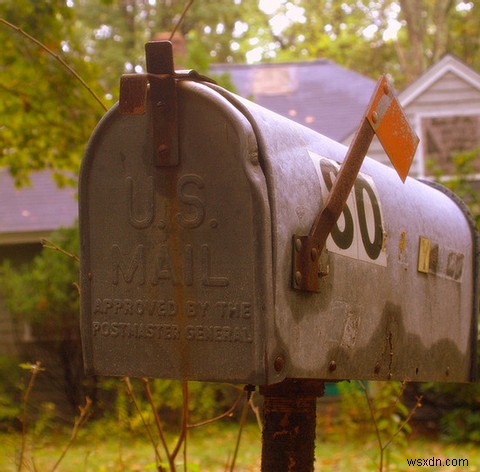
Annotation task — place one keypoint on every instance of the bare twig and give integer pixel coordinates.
(219, 417)
(256, 411)
(243, 418)
(79, 422)
(47, 244)
(158, 423)
(57, 57)
(147, 426)
(183, 432)
(417, 405)
(180, 20)
(35, 369)
(375, 423)
(383, 446)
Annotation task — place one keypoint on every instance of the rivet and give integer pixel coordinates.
(374, 116)
(332, 366)
(298, 277)
(377, 368)
(386, 89)
(162, 149)
(298, 244)
(279, 363)
(314, 254)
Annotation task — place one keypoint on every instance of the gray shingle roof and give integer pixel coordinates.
(35, 210)
(319, 94)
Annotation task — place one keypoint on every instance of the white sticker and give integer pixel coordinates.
(359, 230)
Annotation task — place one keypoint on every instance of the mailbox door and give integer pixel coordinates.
(176, 262)
(399, 284)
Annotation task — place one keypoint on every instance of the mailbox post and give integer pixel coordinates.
(194, 204)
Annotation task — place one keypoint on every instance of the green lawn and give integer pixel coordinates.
(103, 448)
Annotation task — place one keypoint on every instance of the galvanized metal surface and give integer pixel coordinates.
(385, 117)
(376, 316)
(176, 261)
(186, 270)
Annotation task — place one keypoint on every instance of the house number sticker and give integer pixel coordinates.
(359, 230)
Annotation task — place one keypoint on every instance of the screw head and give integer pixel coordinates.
(298, 244)
(314, 254)
(298, 277)
(332, 366)
(386, 89)
(374, 116)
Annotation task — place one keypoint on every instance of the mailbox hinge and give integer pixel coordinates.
(385, 118)
(157, 90)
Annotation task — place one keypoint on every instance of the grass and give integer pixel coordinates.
(103, 447)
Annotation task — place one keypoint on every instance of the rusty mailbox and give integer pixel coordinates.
(191, 203)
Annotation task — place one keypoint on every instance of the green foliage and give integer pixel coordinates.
(46, 115)
(461, 425)
(356, 418)
(459, 404)
(44, 292)
(205, 401)
(10, 382)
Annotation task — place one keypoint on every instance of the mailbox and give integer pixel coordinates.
(190, 199)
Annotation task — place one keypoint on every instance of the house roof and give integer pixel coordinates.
(30, 213)
(319, 94)
(448, 63)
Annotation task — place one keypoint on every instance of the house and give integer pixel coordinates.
(319, 94)
(443, 106)
(26, 216)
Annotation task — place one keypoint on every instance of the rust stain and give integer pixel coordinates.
(403, 243)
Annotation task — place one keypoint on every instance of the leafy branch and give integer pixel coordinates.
(55, 56)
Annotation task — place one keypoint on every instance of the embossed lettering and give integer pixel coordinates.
(133, 206)
(135, 330)
(234, 334)
(128, 307)
(158, 268)
(196, 213)
(163, 267)
(188, 265)
(229, 310)
(194, 309)
(207, 279)
(128, 268)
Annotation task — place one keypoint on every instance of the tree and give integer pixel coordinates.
(46, 115)
(44, 294)
(402, 37)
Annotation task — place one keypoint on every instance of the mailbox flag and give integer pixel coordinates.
(392, 128)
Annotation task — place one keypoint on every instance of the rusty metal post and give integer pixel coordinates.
(288, 442)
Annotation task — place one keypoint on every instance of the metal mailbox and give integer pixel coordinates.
(188, 208)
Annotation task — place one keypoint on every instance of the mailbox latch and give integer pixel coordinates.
(156, 90)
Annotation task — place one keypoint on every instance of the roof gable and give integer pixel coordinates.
(448, 64)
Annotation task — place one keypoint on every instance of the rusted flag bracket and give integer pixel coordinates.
(157, 90)
(385, 118)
